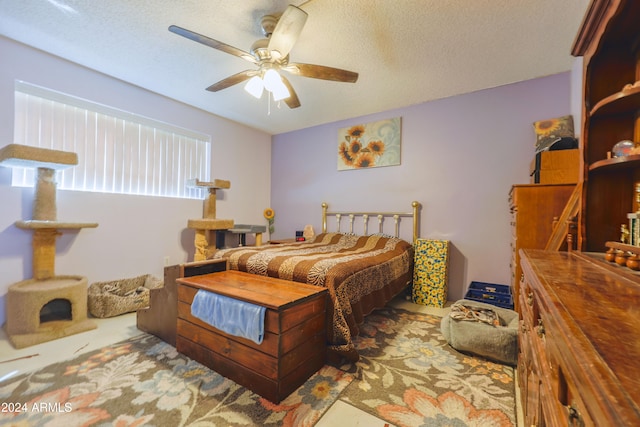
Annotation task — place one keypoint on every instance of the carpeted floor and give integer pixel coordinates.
(144, 381)
(407, 375)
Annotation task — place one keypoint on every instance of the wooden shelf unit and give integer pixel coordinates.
(609, 41)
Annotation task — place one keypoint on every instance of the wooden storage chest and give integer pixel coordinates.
(294, 344)
(556, 167)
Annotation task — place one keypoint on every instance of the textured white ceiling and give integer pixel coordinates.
(406, 51)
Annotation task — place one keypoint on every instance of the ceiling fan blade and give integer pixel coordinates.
(292, 101)
(321, 72)
(287, 30)
(207, 41)
(232, 80)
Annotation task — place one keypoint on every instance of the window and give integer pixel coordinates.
(118, 152)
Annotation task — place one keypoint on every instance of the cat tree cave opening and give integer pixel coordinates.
(56, 309)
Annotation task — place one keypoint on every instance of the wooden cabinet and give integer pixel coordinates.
(578, 341)
(294, 344)
(533, 209)
(609, 41)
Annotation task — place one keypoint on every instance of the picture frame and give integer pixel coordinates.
(370, 145)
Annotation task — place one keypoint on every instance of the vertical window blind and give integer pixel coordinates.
(118, 152)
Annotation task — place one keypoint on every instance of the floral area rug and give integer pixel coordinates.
(409, 376)
(145, 382)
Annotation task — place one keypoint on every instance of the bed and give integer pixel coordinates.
(361, 271)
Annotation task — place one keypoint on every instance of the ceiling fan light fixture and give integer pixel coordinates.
(273, 83)
(255, 86)
(271, 80)
(281, 92)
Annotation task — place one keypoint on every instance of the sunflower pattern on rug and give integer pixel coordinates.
(146, 382)
(409, 376)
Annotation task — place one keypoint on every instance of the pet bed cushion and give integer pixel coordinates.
(471, 329)
(108, 299)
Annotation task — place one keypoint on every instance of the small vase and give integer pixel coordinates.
(621, 258)
(622, 148)
(634, 262)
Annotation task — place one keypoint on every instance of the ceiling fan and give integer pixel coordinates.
(271, 55)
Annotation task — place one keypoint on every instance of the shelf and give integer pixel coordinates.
(55, 225)
(623, 247)
(25, 156)
(625, 101)
(616, 163)
(210, 224)
(215, 184)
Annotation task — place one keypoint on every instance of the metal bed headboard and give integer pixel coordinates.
(414, 214)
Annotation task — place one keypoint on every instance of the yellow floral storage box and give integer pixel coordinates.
(431, 271)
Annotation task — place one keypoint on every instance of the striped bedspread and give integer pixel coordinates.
(361, 273)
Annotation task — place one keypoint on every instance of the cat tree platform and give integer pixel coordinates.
(24, 156)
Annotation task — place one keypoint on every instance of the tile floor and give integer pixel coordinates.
(14, 362)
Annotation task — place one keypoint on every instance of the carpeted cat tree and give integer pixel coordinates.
(46, 307)
(203, 226)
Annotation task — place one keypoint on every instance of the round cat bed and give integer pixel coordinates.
(108, 299)
(497, 343)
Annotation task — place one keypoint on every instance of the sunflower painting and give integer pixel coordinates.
(370, 145)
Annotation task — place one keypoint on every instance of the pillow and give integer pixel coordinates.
(551, 130)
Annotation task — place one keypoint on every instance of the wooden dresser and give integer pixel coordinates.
(579, 361)
(533, 208)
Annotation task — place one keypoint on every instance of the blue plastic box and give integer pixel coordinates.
(491, 293)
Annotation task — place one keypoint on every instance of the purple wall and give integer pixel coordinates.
(135, 234)
(460, 156)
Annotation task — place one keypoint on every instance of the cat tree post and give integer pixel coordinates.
(203, 226)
